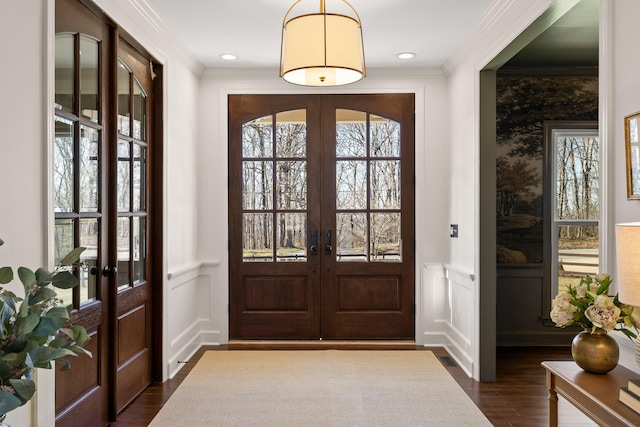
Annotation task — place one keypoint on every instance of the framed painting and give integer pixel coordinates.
(632, 149)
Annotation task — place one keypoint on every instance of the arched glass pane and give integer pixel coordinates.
(291, 134)
(124, 107)
(385, 137)
(351, 133)
(65, 65)
(257, 138)
(139, 112)
(89, 78)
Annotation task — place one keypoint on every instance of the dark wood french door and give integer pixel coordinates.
(321, 203)
(105, 158)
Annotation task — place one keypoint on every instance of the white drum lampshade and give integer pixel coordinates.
(628, 262)
(322, 49)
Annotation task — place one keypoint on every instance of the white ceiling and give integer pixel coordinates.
(251, 29)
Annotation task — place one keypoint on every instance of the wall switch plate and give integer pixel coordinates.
(453, 230)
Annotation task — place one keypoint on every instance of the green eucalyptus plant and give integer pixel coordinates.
(36, 329)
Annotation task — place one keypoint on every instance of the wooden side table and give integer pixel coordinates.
(596, 395)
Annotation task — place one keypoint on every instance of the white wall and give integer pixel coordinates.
(624, 99)
(22, 144)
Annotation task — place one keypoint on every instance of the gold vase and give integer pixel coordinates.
(595, 352)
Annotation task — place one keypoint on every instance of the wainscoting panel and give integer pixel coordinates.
(449, 312)
(190, 313)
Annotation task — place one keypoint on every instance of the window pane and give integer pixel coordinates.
(139, 162)
(89, 143)
(257, 237)
(635, 168)
(124, 251)
(257, 138)
(63, 176)
(385, 237)
(64, 243)
(89, 80)
(351, 184)
(139, 250)
(385, 137)
(257, 185)
(385, 184)
(351, 133)
(291, 134)
(65, 60)
(577, 253)
(292, 185)
(292, 237)
(139, 112)
(577, 177)
(124, 108)
(351, 239)
(89, 233)
(124, 177)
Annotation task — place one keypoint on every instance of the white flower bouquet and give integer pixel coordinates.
(588, 305)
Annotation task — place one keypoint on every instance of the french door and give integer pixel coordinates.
(321, 224)
(105, 158)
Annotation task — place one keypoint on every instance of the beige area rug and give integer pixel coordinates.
(319, 388)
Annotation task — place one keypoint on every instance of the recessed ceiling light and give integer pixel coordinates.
(406, 55)
(228, 56)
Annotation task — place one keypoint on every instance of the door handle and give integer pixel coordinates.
(313, 248)
(109, 271)
(328, 248)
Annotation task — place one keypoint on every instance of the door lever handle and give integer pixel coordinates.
(109, 271)
(313, 248)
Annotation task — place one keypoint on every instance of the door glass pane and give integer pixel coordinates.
(124, 107)
(139, 161)
(351, 133)
(257, 185)
(124, 177)
(292, 236)
(385, 237)
(385, 184)
(89, 143)
(257, 237)
(65, 60)
(124, 254)
(89, 237)
(139, 249)
(291, 134)
(139, 112)
(63, 172)
(257, 138)
(577, 253)
(351, 239)
(64, 238)
(385, 137)
(292, 185)
(89, 78)
(351, 184)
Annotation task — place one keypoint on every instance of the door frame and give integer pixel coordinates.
(43, 412)
(276, 87)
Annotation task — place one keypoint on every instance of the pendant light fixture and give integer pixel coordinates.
(322, 49)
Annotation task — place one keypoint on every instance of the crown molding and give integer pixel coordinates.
(139, 19)
(492, 15)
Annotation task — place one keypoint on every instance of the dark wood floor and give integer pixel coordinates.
(517, 398)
